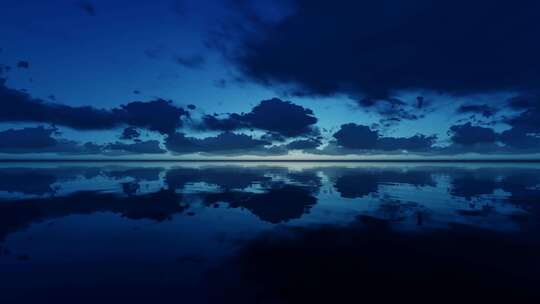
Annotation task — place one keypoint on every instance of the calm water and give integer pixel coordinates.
(268, 233)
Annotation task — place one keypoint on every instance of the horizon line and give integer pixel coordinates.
(499, 160)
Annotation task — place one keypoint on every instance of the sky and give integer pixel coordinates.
(261, 79)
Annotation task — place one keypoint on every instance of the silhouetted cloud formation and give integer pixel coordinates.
(27, 138)
(157, 115)
(224, 142)
(376, 48)
(353, 136)
(467, 134)
(41, 140)
(273, 115)
(143, 147)
(130, 133)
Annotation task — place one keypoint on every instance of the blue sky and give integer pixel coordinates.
(227, 56)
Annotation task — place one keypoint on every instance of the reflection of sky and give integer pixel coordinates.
(175, 221)
(397, 192)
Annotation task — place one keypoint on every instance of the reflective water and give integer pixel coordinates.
(268, 233)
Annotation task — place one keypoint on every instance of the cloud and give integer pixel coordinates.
(520, 139)
(359, 137)
(417, 142)
(529, 120)
(130, 133)
(143, 147)
(223, 143)
(273, 115)
(157, 115)
(27, 138)
(467, 134)
(230, 123)
(304, 144)
(376, 48)
(41, 140)
(483, 109)
(524, 132)
(355, 136)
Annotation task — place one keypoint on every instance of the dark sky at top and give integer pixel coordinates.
(260, 78)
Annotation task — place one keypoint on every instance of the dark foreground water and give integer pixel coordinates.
(269, 233)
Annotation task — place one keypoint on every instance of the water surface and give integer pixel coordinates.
(268, 232)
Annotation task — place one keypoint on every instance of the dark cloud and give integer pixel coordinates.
(520, 139)
(273, 115)
(27, 138)
(157, 115)
(272, 137)
(224, 142)
(467, 134)
(417, 142)
(528, 121)
(525, 130)
(41, 140)
(523, 134)
(87, 7)
(230, 123)
(192, 62)
(304, 144)
(524, 102)
(282, 117)
(143, 147)
(130, 133)
(379, 47)
(353, 136)
(483, 109)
